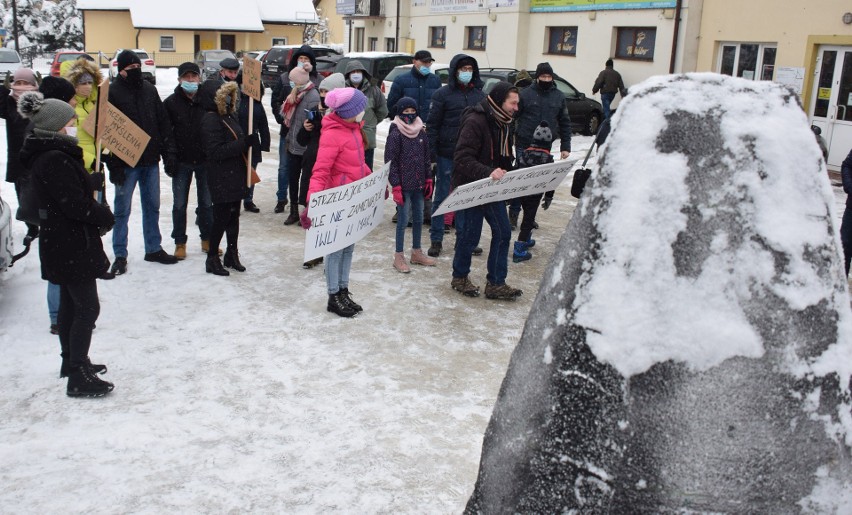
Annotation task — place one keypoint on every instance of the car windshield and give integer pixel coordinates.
(217, 55)
(73, 57)
(277, 55)
(142, 55)
(9, 56)
(396, 72)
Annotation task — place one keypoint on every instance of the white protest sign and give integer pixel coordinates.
(517, 183)
(343, 215)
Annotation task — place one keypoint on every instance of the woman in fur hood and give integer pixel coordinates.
(225, 146)
(85, 76)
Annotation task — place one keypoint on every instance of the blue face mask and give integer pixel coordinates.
(425, 70)
(408, 118)
(189, 87)
(292, 85)
(464, 77)
(300, 64)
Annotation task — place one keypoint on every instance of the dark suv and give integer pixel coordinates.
(377, 64)
(276, 61)
(586, 113)
(208, 61)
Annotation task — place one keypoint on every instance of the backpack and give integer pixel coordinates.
(28, 208)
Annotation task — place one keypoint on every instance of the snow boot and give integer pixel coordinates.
(294, 215)
(65, 368)
(119, 267)
(463, 285)
(338, 306)
(307, 265)
(347, 298)
(521, 253)
(501, 292)
(214, 266)
(419, 258)
(180, 251)
(435, 249)
(232, 260)
(280, 206)
(399, 263)
(82, 382)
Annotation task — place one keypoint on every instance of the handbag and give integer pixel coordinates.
(579, 183)
(255, 178)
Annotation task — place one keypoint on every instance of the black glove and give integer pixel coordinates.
(546, 203)
(170, 165)
(252, 140)
(96, 179)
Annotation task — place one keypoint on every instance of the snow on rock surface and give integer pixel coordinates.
(697, 323)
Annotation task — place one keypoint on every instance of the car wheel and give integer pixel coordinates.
(593, 124)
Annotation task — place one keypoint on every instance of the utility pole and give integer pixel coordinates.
(15, 24)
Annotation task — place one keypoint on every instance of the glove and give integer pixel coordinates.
(170, 165)
(96, 179)
(546, 203)
(304, 220)
(397, 195)
(252, 140)
(428, 188)
(116, 174)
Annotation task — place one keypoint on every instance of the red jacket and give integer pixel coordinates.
(340, 158)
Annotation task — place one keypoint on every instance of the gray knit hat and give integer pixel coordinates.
(48, 115)
(333, 81)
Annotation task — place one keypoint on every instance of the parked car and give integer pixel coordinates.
(61, 57)
(277, 59)
(254, 54)
(378, 64)
(10, 61)
(149, 70)
(326, 65)
(440, 69)
(6, 246)
(208, 61)
(586, 113)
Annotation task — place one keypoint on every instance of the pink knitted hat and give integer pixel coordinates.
(346, 102)
(299, 76)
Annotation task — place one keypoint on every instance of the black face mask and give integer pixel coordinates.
(322, 103)
(545, 84)
(134, 76)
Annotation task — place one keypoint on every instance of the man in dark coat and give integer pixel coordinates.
(185, 114)
(140, 102)
(484, 150)
(420, 84)
(609, 83)
(463, 90)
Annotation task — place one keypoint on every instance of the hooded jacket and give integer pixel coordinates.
(417, 86)
(377, 105)
(224, 142)
(448, 103)
(476, 156)
(185, 115)
(85, 106)
(70, 245)
(340, 158)
(143, 106)
(282, 88)
(538, 105)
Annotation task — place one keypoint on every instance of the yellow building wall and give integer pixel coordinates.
(107, 30)
(336, 25)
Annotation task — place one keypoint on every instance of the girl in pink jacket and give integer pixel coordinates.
(340, 160)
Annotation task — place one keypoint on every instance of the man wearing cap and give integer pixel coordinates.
(609, 83)
(420, 84)
(228, 69)
(141, 103)
(185, 113)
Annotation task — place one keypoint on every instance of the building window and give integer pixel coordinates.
(753, 61)
(359, 39)
(438, 37)
(476, 37)
(562, 40)
(167, 43)
(636, 43)
(390, 45)
(374, 44)
(279, 41)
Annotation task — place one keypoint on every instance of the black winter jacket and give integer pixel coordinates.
(224, 146)
(16, 132)
(143, 106)
(538, 105)
(260, 125)
(70, 245)
(476, 156)
(448, 103)
(185, 115)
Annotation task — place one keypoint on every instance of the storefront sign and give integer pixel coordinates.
(594, 5)
(445, 6)
(346, 6)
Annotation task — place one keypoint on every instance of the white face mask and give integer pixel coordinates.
(359, 117)
(356, 77)
(71, 131)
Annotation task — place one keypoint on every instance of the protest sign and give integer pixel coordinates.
(518, 183)
(122, 137)
(251, 77)
(343, 215)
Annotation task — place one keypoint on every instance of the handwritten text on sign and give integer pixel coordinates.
(343, 215)
(518, 183)
(251, 77)
(123, 137)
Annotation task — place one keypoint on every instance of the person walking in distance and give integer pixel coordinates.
(609, 83)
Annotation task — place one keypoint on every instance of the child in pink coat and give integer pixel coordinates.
(340, 160)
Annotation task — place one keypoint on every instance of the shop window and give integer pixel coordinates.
(476, 38)
(636, 43)
(753, 61)
(373, 44)
(438, 37)
(562, 40)
(167, 43)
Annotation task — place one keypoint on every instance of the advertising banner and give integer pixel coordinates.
(595, 5)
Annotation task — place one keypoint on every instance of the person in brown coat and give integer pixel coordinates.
(609, 83)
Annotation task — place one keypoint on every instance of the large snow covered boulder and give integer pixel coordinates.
(690, 347)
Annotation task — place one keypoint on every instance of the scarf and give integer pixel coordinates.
(17, 91)
(504, 121)
(409, 131)
(292, 101)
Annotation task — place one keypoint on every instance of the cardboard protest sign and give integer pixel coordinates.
(343, 215)
(122, 137)
(251, 77)
(100, 113)
(518, 183)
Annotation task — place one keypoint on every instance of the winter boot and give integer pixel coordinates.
(65, 368)
(180, 251)
(338, 306)
(161, 256)
(280, 206)
(251, 207)
(82, 382)
(205, 247)
(521, 253)
(294, 216)
(419, 258)
(530, 243)
(347, 298)
(307, 265)
(399, 263)
(214, 266)
(232, 260)
(501, 292)
(513, 219)
(463, 285)
(435, 249)
(119, 267)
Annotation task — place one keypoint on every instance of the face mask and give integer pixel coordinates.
(292, 85)
(359, 117)
(424, 70)
(356, 78)
(71, 131)
(189, 87)
(545, 84)
(300, 64)
(84, 90)
(322, 103)
(134, 76)
(408, 118)
(464, 77)
(20, 89)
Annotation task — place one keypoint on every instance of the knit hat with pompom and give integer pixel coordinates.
(346, 102)
(47, 114)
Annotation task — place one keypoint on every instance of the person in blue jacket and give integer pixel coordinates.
(419, 84)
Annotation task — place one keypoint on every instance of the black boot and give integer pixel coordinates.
(338, 306)
(232, 260)
(214, 266)
(96, 368)
(347, 298)
(294, 215)
(83, 383)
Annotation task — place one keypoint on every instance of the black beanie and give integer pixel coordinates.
(188, 67)
(126, 58)
(501, 91)
(609, 62)
(57, 87)
(543, 69)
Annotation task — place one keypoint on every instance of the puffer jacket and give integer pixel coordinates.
(143, 106)
(377, 105)
(224, 143)
(408, 158)
(476, 155)
(448, 103)
(85, 105)
(310, 102)
(417, 86)
(185, 114)
(543, 105)
(340, 158)
(70, 245)
(282, 88)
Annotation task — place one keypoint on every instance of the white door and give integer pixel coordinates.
(831, 104)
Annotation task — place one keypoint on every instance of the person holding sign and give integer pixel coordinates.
(485, 145)
(340, 160)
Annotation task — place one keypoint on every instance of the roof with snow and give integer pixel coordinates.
(216, 14)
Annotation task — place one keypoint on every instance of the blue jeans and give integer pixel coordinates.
(501, 236)
(283, 168)
(443, 177)
(148, 178)
(337, 267)
(606, 100)
(53, 301)
(180, 191)
(413, 204)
